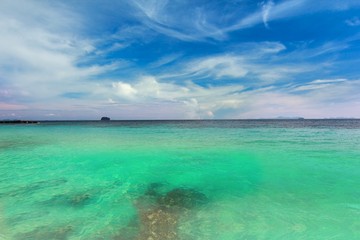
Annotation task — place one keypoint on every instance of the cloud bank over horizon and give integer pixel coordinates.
(160, 59)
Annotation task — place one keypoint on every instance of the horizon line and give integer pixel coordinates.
(215, 119)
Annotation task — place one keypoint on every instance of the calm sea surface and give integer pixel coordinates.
(191, 180)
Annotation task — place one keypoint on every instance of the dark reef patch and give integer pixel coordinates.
(46, 232)
(182, 198)
(72, 200)
(153, 189)
(159, 213)
(33, 187)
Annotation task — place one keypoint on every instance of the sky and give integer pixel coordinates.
(178, 59)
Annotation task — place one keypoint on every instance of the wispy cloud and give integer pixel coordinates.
(319, 84)
(256, 63)
(165, 60)
(330, 90)
(355, 21)
(202, 22)
(278, 11)
(317, 99)
(266, 8)
(287, 9)
(168, 18)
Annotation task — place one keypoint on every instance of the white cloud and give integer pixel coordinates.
(266, 8)
(125, 90)
(41, 51)
(194, 100)
(148, 88)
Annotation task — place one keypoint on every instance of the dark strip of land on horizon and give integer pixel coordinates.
(18, 122)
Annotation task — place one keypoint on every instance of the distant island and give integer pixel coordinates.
(105, 119)
(18, 122)
(290, 118)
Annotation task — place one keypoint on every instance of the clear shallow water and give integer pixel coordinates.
(203, 180)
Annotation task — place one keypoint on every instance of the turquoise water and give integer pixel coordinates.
(201, 180)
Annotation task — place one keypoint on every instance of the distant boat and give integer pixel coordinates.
(105, 119)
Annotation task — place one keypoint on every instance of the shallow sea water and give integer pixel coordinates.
(191, 180)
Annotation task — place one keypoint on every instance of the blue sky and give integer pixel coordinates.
(177, 59)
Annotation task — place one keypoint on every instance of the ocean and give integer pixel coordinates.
(191, 180)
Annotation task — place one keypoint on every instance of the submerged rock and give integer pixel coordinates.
(182, 198)
(158, 224)
(159, 214)
(73, 200)
(80, 199)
